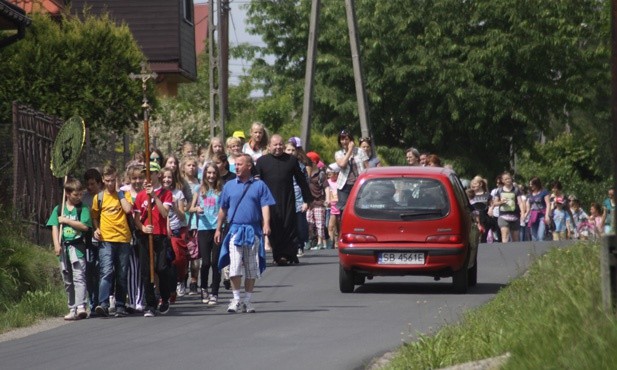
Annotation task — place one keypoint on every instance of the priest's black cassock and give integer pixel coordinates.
(278, 173)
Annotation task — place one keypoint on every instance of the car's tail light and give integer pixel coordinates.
(445, 238)
(359, 238)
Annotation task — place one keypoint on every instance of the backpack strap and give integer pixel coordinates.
(100, 199)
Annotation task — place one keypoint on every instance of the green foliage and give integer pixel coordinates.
(74, 67)
(24, 267)
(30, 281)
(574, 160)
(173, 123)
(464, 79)
(545, 323)
(34, 305)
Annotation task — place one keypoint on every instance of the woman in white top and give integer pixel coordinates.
(258, 142)
(352, 161)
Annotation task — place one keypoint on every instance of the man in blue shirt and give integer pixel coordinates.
(243, 248)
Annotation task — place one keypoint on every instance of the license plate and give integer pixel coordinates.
(396, 258)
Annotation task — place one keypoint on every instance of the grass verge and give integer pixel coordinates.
(552, 318)
(30, 282)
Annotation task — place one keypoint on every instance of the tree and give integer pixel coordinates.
(73, 67)
(472, 80)
(574, 160)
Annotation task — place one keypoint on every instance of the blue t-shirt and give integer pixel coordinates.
(249, 211)
(210, 203)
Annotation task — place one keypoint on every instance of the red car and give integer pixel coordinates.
(408, 221)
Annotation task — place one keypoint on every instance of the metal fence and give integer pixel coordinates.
(34, 189)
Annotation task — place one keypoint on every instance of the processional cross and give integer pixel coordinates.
(144, 76)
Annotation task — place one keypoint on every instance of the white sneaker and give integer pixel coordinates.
(234, 306)
(300, 253)
(181, 289)
(81, 313)
(71, 315)
(213, 300)
(248, 307)
(205, 297)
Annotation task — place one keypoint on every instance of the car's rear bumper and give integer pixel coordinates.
(438, 261)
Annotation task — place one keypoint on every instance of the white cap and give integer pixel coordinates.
(334, 167)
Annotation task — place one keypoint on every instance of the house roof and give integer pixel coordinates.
(12, 17)
(52, 7)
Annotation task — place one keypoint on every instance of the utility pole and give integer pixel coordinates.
(352, 24)
(608, 252)
(223, 16)
(218, 52)
(309, 76)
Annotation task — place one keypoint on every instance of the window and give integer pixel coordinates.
(407, 199)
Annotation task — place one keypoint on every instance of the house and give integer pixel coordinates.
(13, 23)
(201, 27)
(164, 29)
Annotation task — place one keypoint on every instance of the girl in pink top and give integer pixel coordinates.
(595, 217)
(334, 221)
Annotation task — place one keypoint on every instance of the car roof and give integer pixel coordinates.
(392, 171)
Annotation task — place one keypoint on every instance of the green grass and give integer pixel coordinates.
(30, 282)
(552, 318)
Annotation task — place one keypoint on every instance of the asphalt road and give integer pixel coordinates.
(302, 322)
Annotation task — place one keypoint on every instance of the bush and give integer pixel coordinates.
(574, 161)
(25, 268)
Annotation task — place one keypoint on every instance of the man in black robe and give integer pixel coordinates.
(278, 170)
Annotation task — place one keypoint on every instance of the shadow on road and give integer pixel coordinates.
(423, 288)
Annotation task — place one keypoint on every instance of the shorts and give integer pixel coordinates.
(512, 225)
(244, 261)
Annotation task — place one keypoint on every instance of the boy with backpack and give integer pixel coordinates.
(111, 210)
(68, 228)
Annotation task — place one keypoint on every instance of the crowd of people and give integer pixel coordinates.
(131, 244)
(519, 212)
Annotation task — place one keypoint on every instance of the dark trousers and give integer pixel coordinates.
(210, 252)
(343, 195)
(303, 229)
(162, 268)
(92, 275)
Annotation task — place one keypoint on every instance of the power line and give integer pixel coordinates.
(233, 25)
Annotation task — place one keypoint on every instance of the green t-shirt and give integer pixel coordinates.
(68, 233)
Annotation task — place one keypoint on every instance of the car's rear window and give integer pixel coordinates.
(407, 199)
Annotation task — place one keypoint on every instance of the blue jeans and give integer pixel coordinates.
(113, 258)
(538, 229)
